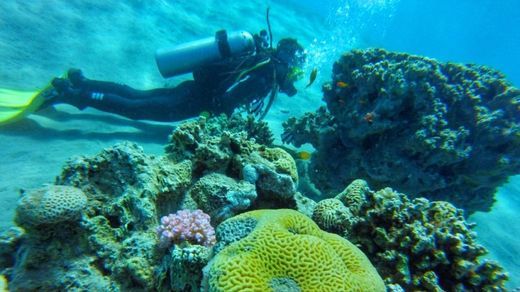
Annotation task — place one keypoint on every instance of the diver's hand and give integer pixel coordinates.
(256, 107)
(287, 137)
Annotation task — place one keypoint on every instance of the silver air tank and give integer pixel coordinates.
(187, 57)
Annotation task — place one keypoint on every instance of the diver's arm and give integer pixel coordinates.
(252, 88)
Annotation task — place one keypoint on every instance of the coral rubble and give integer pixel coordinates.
(439, 130)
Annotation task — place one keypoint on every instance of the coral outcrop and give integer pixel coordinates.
(415, 244)
(285, 251)
(113, 245)
(96, 229)
(181, 268)
(444, 131)
(233, 171)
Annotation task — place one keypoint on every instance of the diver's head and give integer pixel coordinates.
(289, 51)
(291, 57)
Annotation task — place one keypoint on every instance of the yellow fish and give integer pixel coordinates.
(314, 73)
(303, 155)
(341, 84)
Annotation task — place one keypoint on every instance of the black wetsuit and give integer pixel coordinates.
(215, 89)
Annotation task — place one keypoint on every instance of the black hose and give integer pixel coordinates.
(269, 28)
(272, 97)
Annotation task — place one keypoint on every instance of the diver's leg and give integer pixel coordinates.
(166, 104)
(78, 80)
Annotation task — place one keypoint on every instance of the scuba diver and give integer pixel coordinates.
(230, 70)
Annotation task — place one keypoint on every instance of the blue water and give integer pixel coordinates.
(484, 32)
(116, 41)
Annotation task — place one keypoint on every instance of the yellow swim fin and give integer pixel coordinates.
(16, 104)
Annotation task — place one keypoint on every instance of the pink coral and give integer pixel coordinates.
(186, 226)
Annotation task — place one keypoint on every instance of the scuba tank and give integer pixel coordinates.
(187, 57)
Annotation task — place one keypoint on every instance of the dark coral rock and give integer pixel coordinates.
(440, 130)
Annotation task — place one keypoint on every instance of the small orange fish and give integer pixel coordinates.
(341, 84)
(304, 155)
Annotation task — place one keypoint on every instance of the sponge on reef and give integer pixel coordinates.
(286, 251)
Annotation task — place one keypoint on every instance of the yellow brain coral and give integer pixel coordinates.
(286, 251)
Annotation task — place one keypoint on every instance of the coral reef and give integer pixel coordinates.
(415, 244)
(440, 130)
(186, 226)
(285, 251)
(257, 130)
(96, 228)
(10, 241)
(282, 161)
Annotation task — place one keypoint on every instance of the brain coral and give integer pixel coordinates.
(287, 251)
(50, 204)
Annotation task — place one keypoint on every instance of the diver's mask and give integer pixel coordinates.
(294, 74)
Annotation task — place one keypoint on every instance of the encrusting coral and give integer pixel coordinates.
(286, 251)
(416, 244)
(442, 131)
